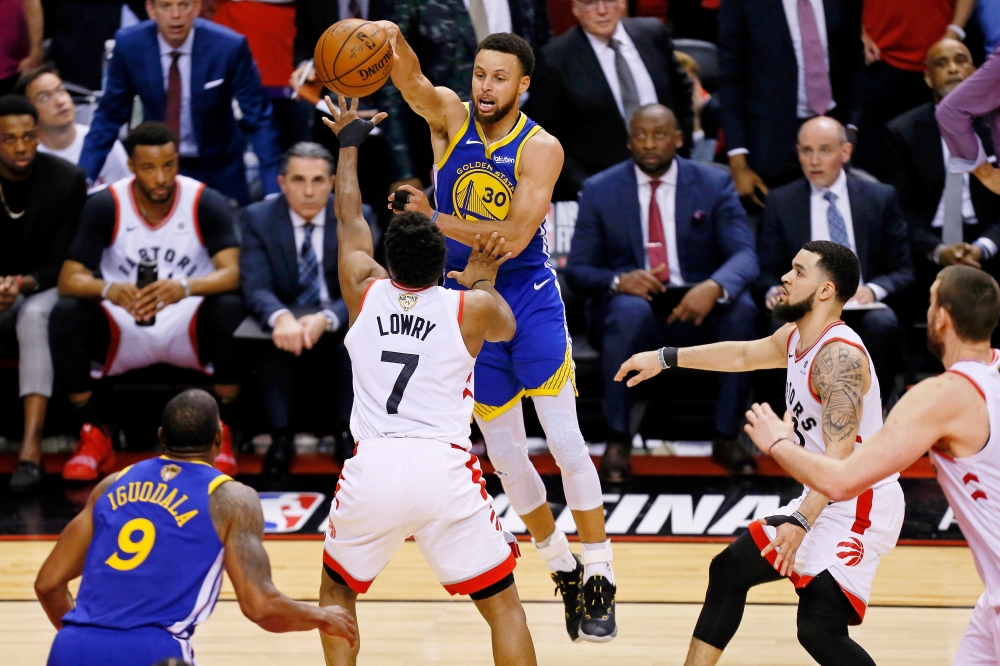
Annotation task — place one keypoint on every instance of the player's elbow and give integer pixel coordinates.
(840, 490)
(46, 585)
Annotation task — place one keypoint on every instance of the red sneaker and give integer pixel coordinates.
(93, 455)
(225, 462)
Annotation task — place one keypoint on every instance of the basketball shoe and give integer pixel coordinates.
(225, 462)
(569, 584)
(93, 456)
(598, 622)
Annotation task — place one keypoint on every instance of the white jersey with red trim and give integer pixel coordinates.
(805, 404)
(972, 483)
(176, 245)
(412, 371)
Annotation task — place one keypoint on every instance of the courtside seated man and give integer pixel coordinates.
(151, 544)
(413, 346)
(494, 171)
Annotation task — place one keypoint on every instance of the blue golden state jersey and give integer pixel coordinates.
(477, 183)
(155, 558)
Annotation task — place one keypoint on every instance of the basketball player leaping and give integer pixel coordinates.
(830, 553)
(413, 346)
(955, 417)
(495, 170)
(151, 544)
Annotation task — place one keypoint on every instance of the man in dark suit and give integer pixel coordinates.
(41, 197)
(913, 159)
(653, 221)
(187, 71)
(830, 204)
(780, 63)
(288, 264)
(593, 77)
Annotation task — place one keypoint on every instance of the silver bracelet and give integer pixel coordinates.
(104, 292)
(187, 287)
(663, 362)
(802, 519)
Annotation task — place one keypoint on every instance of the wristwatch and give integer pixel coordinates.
(615, 281)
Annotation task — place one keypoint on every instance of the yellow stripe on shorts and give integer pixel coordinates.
(552, 386)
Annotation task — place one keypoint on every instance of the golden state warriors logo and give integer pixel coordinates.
(481, 193)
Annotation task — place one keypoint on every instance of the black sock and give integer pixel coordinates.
(227, 410)
(87, 412)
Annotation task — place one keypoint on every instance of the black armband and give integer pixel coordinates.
(355, 133)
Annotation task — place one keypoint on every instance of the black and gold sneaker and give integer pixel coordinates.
(598, 622)
(569, 583)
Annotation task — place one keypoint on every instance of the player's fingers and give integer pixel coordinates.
(502, 260)
(477, 244)
(751, 419)
(767, 549)
(788, 417)
(333, 110)
(453, 275)
(379, 117)
(340, 104)
(410, 189)
(627, 367)
(643, 375)
(675, 314)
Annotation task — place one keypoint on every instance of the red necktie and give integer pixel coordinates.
(657, 245)
(173, 119)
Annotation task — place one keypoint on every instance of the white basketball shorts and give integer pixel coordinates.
(980, 645)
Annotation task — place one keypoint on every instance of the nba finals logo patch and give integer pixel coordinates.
(481, 192)
(407, 301)
(168, 472)
(853, 551)
(288, 512)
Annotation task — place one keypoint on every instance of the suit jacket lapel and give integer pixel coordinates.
(683, 207)
(647, 52)
(629, 200)
(798, 226)
(587, 61)
(286, 243)
(857, 202)
(780, 19)
(330, 240)
(931, 155)
(155, 88)
(200, 58)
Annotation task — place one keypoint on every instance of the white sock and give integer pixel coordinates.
(556, 553)
(601, 565)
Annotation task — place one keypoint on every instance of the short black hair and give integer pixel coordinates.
(190, 421)
(972, 298)
(840, 264)
(415, 250)
(307, 150)
(17, 105)
(506, 42)
(149, 134)
(28, 77)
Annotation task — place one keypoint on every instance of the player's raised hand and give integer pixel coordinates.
(415, 200)
(339, 623)
(647, 364)
(350, 129)
(484, 262)
(766, 429)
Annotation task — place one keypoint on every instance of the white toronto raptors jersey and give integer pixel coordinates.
(175, 244)
(804, 402)
(972, 483)
(412, 370)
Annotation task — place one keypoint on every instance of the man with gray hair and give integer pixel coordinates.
(288, 265)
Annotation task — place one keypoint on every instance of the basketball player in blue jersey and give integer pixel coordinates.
(151, 544)
(494, 172)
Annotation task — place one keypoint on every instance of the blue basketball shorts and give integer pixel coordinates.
(539, 359)
(77, 645)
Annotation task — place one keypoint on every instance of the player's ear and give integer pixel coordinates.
(160, 437)
(524, 85)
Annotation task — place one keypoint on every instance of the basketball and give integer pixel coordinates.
(353, 57)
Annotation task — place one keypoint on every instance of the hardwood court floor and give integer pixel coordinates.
(922, 600)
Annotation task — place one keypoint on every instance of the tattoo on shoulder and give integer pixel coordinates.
(838, 376)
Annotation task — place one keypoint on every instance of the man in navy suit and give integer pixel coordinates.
(289, 262)
(830, 204)
(187, 71)
(622, 259)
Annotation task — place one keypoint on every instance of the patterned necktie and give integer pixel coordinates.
(818, 94)
(951, 230)
(308, 271)
(835, 222)
(657, 245)
(626, 82)
(173, 119)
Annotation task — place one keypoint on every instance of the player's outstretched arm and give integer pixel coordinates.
(733, 356)
(239, 520)
(66, 560)
(355, 250)
(486, 315)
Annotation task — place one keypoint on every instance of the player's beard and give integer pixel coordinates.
(790, 312)
(496, 115)
(149, 194)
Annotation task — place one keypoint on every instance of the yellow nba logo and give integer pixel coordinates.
(480, 195)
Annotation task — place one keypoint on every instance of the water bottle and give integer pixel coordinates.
(147, 276)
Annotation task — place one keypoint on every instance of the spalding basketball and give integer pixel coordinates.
(353, 57)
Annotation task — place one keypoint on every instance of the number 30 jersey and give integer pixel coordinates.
(803, 400)
(155, 558)
(412, 370)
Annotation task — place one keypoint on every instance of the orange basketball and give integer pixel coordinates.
(353, 57)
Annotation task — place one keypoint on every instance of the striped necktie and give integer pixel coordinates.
(308, 271)
(626, 83)
(835, 222)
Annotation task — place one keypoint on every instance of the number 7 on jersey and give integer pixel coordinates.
(409, 362)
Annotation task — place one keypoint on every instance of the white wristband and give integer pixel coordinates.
(104, 292)
(957, 30)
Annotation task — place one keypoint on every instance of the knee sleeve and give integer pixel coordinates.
(824, 613)
(581, 484)
(507, 447)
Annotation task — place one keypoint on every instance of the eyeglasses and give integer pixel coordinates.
(47, 96)
(592, 4)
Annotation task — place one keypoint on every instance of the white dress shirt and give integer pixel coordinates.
(987, 245)
(497, 15)
(606, 57)
(189, 145)
(820, 226)
(299, 229)
(666, 198)
(115, 164)
(792, 16)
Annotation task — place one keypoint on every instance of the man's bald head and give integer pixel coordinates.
(654, 139)
(823, 150)
(822, 127)
(948, 63)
